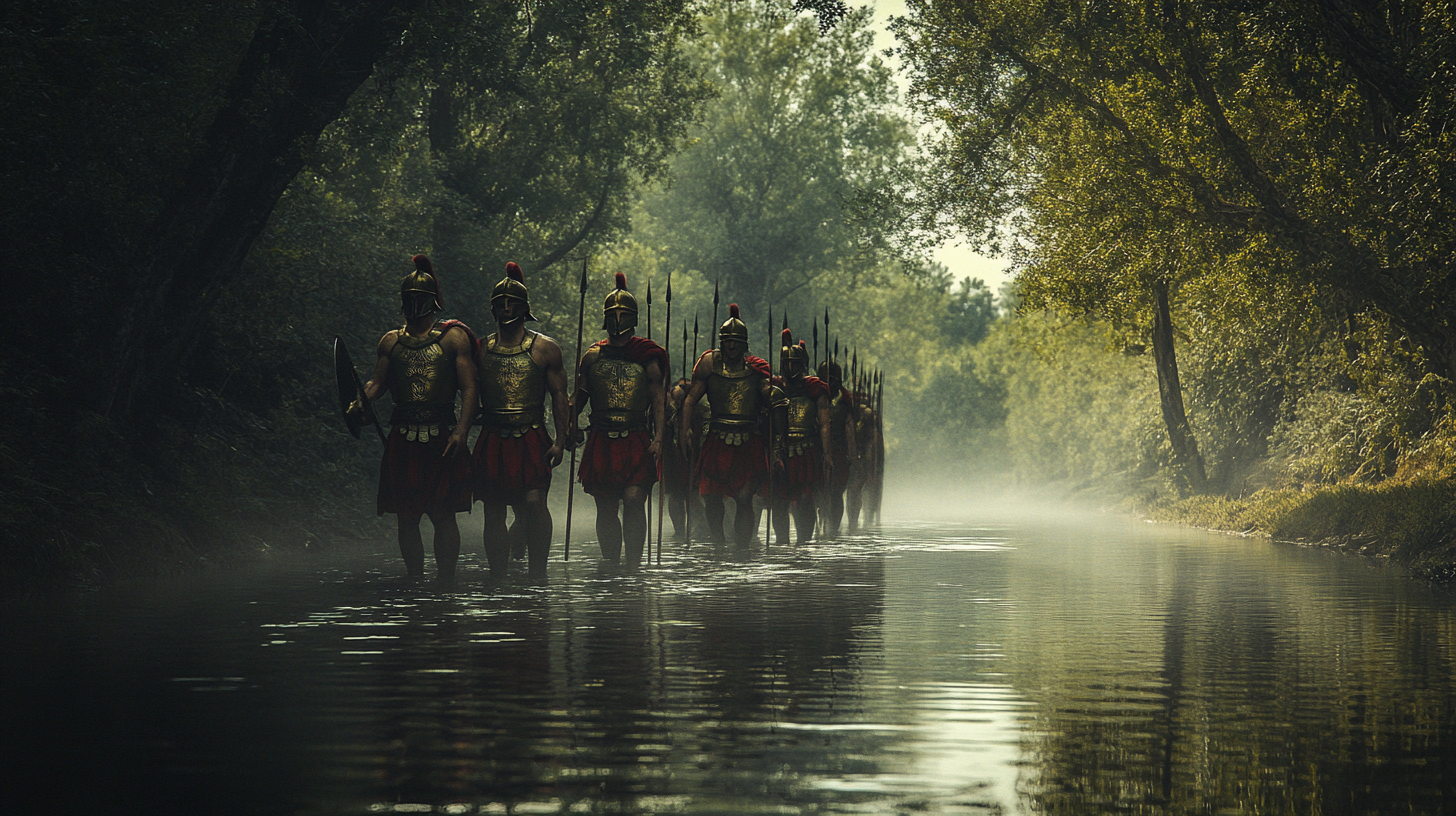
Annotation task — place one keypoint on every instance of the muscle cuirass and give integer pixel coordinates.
(620, 392)
(422, 380)
(803, 417)
(839, 409)
(512, 384)
(735, 395)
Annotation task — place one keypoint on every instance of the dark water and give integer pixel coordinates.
(946, 668)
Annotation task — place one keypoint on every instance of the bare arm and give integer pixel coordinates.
(826, 434)
(379, 380)
(658, 396)
(701, 369)
(580, 396)
(457, 345)
(550, 356)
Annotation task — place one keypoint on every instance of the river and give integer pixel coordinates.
(1056, 665)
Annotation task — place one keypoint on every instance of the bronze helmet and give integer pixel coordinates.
(831, 373)
(791, 352)
(419, 292)
(622, 302)
(733, 328)
(513, 286)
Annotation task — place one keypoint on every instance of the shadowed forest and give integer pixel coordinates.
(1232, 225)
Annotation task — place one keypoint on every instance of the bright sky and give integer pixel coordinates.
(960, 260)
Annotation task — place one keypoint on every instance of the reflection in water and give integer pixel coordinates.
(935, 668)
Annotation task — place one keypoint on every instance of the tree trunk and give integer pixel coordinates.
(1170, 393)
(306, 58)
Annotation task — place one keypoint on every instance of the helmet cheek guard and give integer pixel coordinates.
(619, 310)
(513, 287)
(419, 292)
(734, 328)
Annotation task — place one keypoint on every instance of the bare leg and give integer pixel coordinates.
(805, 515)
(411, 547)
(497, 539)
(744, 519)
(781, 521)
(447, 545)
(634, 522)
(609, 528)
(853, 498)
(538, 530)
(714, 511)
(834, 512)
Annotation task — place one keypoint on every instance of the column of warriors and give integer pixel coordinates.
(805, 446)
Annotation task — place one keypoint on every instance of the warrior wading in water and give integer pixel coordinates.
(426, 466)
(676, 464)
(734, 459)
(514, 455)
(622, 378)
(804, 444)
(843, 447)
(862, 472)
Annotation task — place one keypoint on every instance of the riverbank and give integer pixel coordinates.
(1411, 523)
(210, 484)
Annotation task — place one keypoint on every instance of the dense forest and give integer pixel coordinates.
(1231, 225)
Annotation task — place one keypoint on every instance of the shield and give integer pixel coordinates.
(350, 389)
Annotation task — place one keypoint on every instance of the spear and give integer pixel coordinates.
(816, 344)
(826, 332)
(667, 436)
(685, 351)
(689, 464)
(768, 352)
(649, 492)
(713, 329)
(571, 469)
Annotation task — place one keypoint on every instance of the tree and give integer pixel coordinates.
(1132, 146)
(801, 121)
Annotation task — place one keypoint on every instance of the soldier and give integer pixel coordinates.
(862, 471)
(844, 448)
(734, 459)
(426, 466)
(622, 377)
(804, 444)
(514, 455)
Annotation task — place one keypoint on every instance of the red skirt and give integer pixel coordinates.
(801, 474)
(724, 469)
(415, 478)
(610, 465)
(511, 466)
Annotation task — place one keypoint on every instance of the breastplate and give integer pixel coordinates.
(420, 375)
(735, 396)
(838, 413)
(803, 419)
(619, 391)
(512, 384)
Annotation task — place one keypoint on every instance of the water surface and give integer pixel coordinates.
(958, 668)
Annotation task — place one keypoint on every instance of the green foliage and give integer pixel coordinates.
(800, 122)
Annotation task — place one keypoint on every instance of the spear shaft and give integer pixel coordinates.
(666, 432)
(571, 469)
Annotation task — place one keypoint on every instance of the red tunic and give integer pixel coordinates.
(724, 469)
(509, 467)
(802, 472)
(609, 465)
(415, 478)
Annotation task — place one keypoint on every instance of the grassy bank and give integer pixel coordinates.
(1410, 523)
(208, 484)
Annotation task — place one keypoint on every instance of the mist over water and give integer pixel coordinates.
(975, 655)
